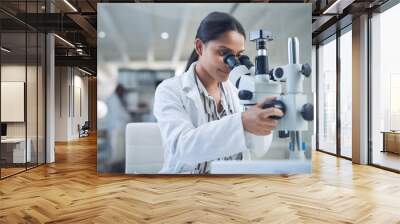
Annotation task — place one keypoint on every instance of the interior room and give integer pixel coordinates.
(57, 94)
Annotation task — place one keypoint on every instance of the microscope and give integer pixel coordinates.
(256, 82)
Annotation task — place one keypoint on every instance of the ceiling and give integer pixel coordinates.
(133, 32)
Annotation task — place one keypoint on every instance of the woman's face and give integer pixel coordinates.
(211, 55)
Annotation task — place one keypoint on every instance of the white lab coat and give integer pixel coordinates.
(188, 138)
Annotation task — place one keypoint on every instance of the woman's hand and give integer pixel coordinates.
(256, 120)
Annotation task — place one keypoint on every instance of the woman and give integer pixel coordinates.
(199, 113)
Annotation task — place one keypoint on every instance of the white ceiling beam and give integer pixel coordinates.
(180, 39)
(338, 6)
(70, 6)
(151, 34)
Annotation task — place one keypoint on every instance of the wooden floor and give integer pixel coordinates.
(70, 191)
(10, 171)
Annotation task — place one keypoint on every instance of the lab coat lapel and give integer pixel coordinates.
(233, 96)
(192, 93)
(189, 86)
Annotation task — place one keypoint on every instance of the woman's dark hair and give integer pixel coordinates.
(212, 27)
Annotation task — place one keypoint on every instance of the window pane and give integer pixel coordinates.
(327, 97)
(386, 89)
(13, 147)
(346, 94)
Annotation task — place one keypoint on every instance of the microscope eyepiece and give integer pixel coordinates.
(245, 60)
(231, 61)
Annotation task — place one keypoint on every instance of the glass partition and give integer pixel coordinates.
(31, 100)
(13, 105)
(22, 77)
(32, 90)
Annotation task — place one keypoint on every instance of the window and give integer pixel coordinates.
(346, 93)
(385, 89)
(327, 96)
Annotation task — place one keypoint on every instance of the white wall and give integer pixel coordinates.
(80, 100)
(71, 93)
(62, 81)
(16, 73)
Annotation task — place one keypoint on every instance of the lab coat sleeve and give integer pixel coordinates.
(189, 144)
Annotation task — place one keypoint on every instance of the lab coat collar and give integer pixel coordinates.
(189, 84)
(190, 88)
(188, 81)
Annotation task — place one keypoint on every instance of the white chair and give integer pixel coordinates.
(144, 153)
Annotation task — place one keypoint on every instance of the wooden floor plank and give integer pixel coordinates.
(71, 191)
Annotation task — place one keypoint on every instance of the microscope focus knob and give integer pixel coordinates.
(245, 95)
(307, 112)
(278, 73)
(306, 70)
(276, 104)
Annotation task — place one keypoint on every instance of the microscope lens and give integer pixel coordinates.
(261, 44)
(262, 67)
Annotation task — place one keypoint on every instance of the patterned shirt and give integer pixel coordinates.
(211, 109)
